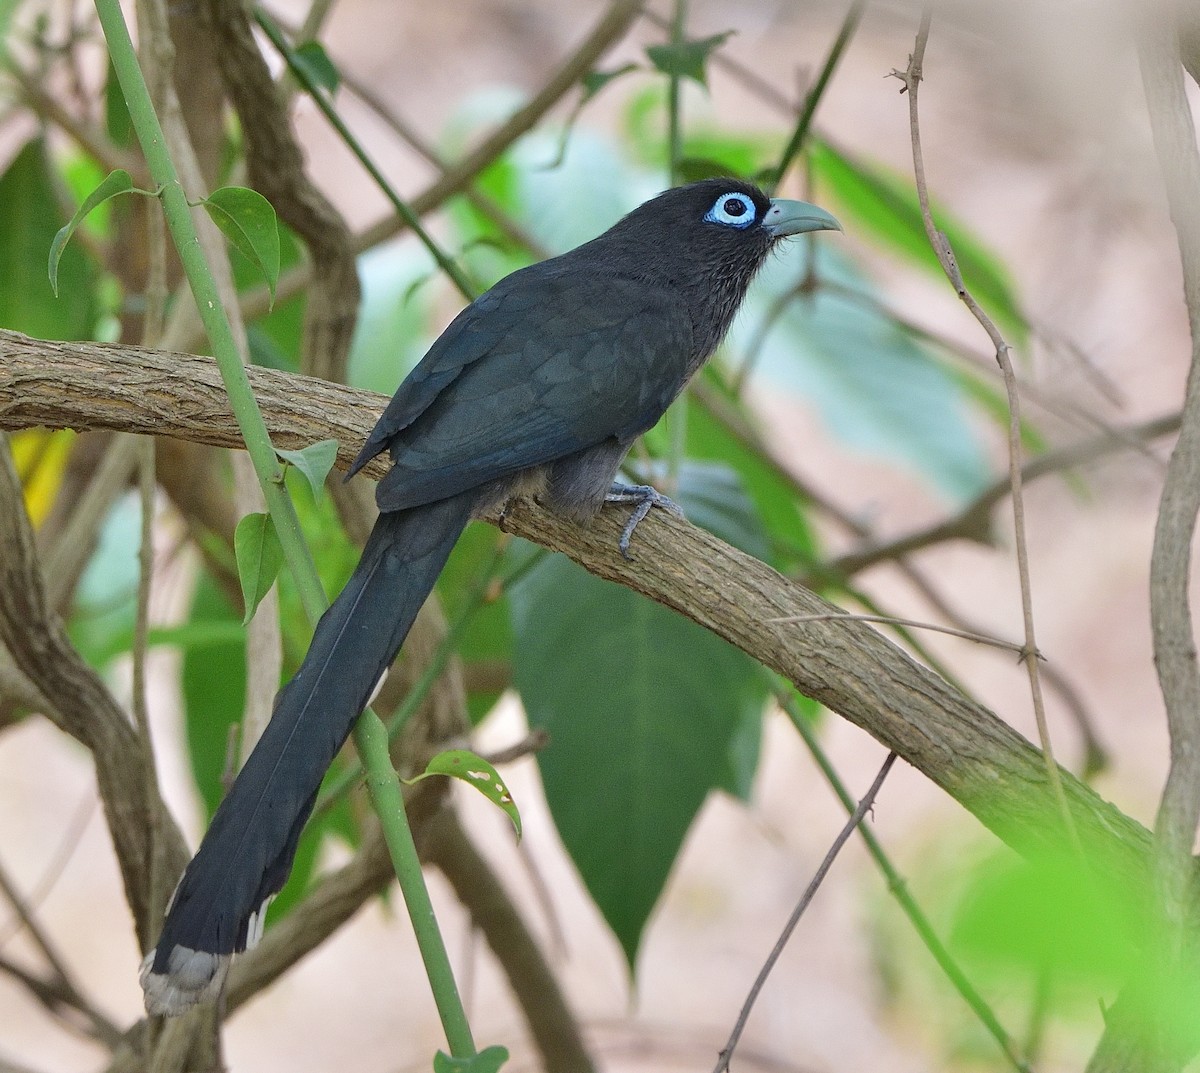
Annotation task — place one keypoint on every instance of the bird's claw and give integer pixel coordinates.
(643, 497)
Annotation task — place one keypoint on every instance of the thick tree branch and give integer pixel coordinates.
(845, 665)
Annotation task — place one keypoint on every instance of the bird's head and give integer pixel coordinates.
(719, 216)
(707, 240)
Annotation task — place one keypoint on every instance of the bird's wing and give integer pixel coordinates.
(537, 369)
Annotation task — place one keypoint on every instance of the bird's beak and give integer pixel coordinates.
(795, 217)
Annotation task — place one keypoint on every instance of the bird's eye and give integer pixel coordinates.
(732, 210)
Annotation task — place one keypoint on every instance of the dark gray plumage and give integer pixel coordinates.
(540, 386)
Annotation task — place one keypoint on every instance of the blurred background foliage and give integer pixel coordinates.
(647, 713)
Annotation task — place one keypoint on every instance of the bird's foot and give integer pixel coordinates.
(643, 497)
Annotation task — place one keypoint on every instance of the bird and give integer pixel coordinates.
(538, 389)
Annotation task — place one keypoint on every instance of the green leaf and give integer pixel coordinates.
(489, 1060)
(105, 602)
(393, 329)
(1048, 912)
(869, 198)
(472, 769)
(29, 220)
(312, 57)
(688, 58)
(116, 182)
(594, 81)
(213, 684)
(873, 385)
(643, 708)
(259, 556)
(314, 462)
(713, 496)
(487, 638)
(248, 220)
(794, 545)
(275, 338)
(116, 111)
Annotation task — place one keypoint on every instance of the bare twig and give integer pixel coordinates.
(53, 998)
(898, 888)
(158, 882)
(972, 522)
(892, 620)
(66, 850)
(814, 95)
(62, 984)
(856, 818)
(911, 77)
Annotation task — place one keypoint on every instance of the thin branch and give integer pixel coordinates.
(52, 997)
(404, 211)
(856, 817)
(84, 709)
(94, 141)
(66, 850)
(898, 888)
(1063, 408)
(1170, 614)
(62, 984)
(158, 882)
(487, 206)
(892, 620)
(911, 77)
(814, 95)
(973, 522)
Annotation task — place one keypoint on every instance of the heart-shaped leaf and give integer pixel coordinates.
(116, 182)
(248, 220)
(259, 556)
(314, 461)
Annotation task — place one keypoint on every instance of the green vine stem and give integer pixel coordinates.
(369, 735)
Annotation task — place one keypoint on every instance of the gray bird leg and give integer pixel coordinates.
(643, 497)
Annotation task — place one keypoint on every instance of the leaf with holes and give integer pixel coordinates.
(248, 220)
(314, 462)
(259, 556)
(466, 766)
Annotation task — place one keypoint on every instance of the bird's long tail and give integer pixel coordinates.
(246, 856)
